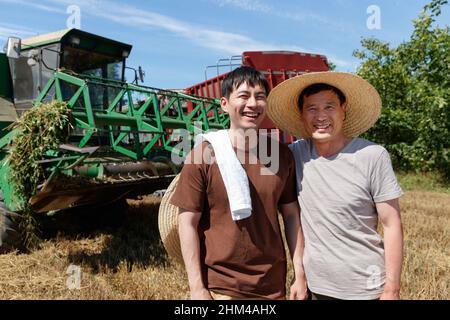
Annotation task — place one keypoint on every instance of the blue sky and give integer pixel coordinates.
(174, 40)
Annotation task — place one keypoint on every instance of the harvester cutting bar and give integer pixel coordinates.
(132, 120)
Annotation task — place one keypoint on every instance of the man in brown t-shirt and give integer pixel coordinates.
(241, 259)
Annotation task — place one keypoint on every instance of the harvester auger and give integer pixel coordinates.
(122, 138)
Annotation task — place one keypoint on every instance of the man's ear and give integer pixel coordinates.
(224, 104)
(344, 108)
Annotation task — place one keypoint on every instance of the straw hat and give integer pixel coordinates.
(168, 223)
(363, 102)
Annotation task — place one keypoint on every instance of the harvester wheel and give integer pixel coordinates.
(9, 237)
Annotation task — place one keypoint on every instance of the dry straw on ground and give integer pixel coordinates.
(127, 260)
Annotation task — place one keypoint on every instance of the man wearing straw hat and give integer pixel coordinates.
(230, 236)
(344, 185)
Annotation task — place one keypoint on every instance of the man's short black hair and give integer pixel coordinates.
(240, 75)
(316, 88)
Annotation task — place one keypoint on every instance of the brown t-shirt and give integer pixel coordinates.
(244, 258)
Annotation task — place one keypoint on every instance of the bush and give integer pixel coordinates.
(413, 80)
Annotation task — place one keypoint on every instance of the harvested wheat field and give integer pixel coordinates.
(126, 259)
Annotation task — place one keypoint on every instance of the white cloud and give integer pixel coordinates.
(249, 5)
(204, 36)
(227, 42)
(34, 5)
(341, 64)
(10, 30)
(258, 6)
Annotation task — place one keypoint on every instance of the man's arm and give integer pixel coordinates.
(190, 248)
(389, 213)
(295, 241)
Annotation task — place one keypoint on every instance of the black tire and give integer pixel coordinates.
(9, 237)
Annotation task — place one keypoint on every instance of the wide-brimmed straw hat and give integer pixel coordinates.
(363, 102)
(168, 223)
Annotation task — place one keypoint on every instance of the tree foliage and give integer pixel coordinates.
(413, 80)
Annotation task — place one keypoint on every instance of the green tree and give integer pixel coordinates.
(413, 80)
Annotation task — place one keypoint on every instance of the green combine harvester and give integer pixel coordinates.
(122, 136)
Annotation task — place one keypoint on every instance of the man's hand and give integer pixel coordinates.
(299, 290)
(201, 294)
(390, 296)
(390, 293)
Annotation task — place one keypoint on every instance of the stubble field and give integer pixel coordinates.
(126, 259)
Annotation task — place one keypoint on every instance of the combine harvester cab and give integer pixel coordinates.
(121, 137)
(277, 66)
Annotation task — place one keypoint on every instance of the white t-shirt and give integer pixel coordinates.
(344, 254)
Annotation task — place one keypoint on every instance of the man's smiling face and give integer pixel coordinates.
(246, 106)
(323, 116)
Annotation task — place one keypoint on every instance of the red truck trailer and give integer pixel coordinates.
(277, 66)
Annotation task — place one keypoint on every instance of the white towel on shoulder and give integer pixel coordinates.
(233, 174)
